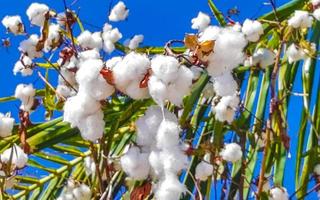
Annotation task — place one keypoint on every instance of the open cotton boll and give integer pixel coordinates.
(36, 13)
(15, 155)
(119, 12)
(13, 24)
(316, 169)
(279, 193)
(252, 30)
(174, 159)
(231, 152)
(109, 37)
(203, 171)
(210, 33)
(156, 163)
(88, 54)
(28, 47)
(168, 134)
(165, 68)
(89, 165)
(135, 164)
(263, 57)
(54, 38)
(88, 40)
(92, 126)
(83, 192)
(69, 77)
(135, 41)
(295, 53)
(225, 84)
(226, 108)
(157, 90)
(6, 125)
(316, 14)
(300, 19)
(65, 91)
(201, 22)
(112, 62)
(169, 188)
(26, 95)
(24, 66)
(135, 92)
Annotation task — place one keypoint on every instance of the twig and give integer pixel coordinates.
(50, 86)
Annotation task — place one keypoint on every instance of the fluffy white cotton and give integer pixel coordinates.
(279, 193)
(92, 126)
(226, 108)
(119, 12)
(263, 57)
(315, 2)
(168, 134)
(6, 125)
(135, 164)
(165, 68)
(23, 66)
(54, 38)
(316, 169)
(69, 77)
(28, 47)
(89, 165)
(88, 40)
(65, 91)
(201, 22)
(228, 49)
(203, 170)
(110, 36)
(316, 14)
(15, 155)
(231, 152)
(157, 90)
(13, 24)
(129, 72)
(26, 95)
(252, 30)
(295, 53)
(225, 85)
(300, 19)
(135, 41)
(36, 13)
(170, 188)
(196, 71)
(82, 192)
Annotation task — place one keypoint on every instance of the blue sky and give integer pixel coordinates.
(158, 21)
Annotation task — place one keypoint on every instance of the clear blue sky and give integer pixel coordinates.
(158, 21)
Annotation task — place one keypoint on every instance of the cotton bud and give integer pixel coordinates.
(36, 13)
(263, 57)
(201, 22)
(226, 108)
(252, 30)
(82, 192)
(13, 24)
(135, 41)
(24, 66)
(316, 14)
(135, 164)
(6, 125)
(295, 53)
(231, 152)
(26, 95)
(15, 156)
(300, 19)
(119, 12)
(277, 193)
(203, 170)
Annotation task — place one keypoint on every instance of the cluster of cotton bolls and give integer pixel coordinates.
(159, 153)
(75, 192)
(26, 95)
(6, 125)
(252, 30)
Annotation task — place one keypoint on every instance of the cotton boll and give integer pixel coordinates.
(110, 36)
(36, 13)
(65, 91)
(225, 85)
(231, 152)
(156, 162)
(89, 54)
(135, 41)
(203, 171)
(135, 164)
(168, 134)
(210, 33)
(135, 92)
(112, 62)
(174, 159)
(295, 53)
(15, 155)
(6, 125)
(225, 109)
(252, 30)
(24, 66)
(54, 38)
(165, 68)
(92, 126)
(316, 14)
(170, 188)
(264, 57)
(88, 40)
(13, 24)
(119, 12)
(157, 90)
(28, 47)
(26, 95)
(108, 46)
(196, 71)
(82, 192)
(279, 193)
(300, 19)
(201, 22)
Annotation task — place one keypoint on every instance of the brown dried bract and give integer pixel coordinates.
(107, 75)
(199, 49)
(141, 192)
